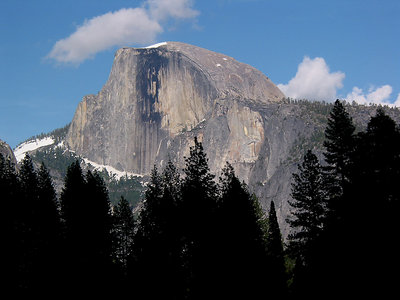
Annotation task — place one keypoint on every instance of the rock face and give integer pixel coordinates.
(158, 99)
(154, 95)
(7, 152)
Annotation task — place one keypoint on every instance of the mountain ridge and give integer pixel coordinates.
(158, 99)
(268, 185)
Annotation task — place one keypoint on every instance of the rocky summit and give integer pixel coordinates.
(158, 98)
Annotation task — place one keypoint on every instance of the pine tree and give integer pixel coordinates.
(198, 177)
(308, 204)
(86, 212)
(340, 146)
(173, 279)
(148, 223)
(378, 157)
(29, 190)
(158, 238)
(374, 202)
(49, 233)
(339, 143)
(275, 252)
(10, 199)
(357, 244)
(240, 267)
(71, 198)
(98, 221)
(123, 233)
(171, 184)
(29, 233)
(309, 207)
(197, 209)
(149, 250)
(199, 191)
(48, 206)
(37, 228)
(274, 237)
(9, 187)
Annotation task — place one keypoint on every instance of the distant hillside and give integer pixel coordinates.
(49, 148)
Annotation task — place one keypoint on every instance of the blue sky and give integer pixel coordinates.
(55, 52)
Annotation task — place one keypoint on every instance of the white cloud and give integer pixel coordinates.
(102, 32)
(380, 95)
(127, 26)
(397, 102)
(357, 96)
(313, 81)
(164, 9)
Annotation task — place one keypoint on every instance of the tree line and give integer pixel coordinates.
(196, 237)
(344, 220)
(201, 237)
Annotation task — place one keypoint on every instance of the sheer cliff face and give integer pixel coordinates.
(157, 99)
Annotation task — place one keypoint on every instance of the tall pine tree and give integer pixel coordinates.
(339, 148)
(123, 233)
(276, 260)
(98, 223)
(356, 250)
(197, 209)
(309, 206)
(86, 213)
(9, 227)
(157, 244)
(36, 228)
(240, 268)
(309, 198)
(49, 237)
(339, 143)
(27, 224)
(373, 203)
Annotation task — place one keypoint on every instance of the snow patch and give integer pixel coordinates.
(111, 170)
(224, 58)
(156, 45)
(32, 145)
(218, 65)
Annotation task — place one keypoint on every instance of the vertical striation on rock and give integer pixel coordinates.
(156, 100)
(156, 95)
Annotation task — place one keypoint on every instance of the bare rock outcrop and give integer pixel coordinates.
(157, 95)
(7, 152)
(157, 99)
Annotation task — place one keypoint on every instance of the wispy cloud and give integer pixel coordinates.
(313, 81)
(178, 9)
(127, 26)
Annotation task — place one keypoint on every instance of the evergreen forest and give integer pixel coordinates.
(198, 236)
